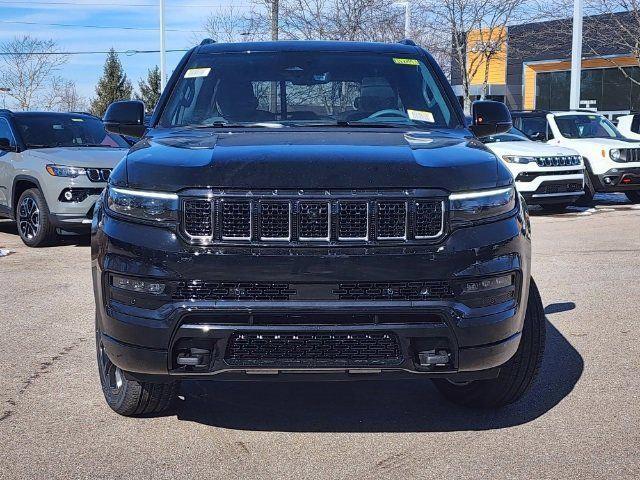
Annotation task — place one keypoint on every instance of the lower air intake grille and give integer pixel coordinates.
(313, 349)
(393, 291)
(428, 223)
(197, 218)
(200, 290)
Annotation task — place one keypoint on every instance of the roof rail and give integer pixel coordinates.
(408, 41)
(207, 41)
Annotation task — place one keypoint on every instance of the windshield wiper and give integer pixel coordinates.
(221, 124)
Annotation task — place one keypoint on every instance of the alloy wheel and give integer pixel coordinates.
(29, 218)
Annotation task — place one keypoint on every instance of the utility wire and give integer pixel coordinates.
(69, 25)
(117, 5)
(121, 52)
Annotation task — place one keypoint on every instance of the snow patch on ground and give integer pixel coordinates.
(5, 251)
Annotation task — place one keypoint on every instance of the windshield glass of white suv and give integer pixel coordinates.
(307, 88)
(586, 126)
(49, 130)
(513, 135)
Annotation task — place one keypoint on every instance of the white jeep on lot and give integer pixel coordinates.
(545, 175)
(612, 161)
(629, 126)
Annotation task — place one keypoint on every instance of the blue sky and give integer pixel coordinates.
(184, 15)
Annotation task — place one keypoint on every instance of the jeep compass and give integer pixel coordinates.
(312, 210)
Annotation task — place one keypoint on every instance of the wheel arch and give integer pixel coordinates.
(21, 183)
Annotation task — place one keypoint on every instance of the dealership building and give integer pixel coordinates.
(531, 70)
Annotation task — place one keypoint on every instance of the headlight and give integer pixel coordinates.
(480, 205)
(614, 153)
(144, 205)
(64, 171)
(517, 159)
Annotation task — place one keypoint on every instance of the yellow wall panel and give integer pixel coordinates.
(476, 64)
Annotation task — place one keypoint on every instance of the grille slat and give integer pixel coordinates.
(429, 219)
(313, 349)
(392, 220)
(236, 220)
(313, 221)
(353, 220)
(197, 215)
(275, 221)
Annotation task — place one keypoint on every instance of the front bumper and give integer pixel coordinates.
(144, 336)
(617, 180)
(545, 186)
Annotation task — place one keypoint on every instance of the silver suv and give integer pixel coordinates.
(53, 167)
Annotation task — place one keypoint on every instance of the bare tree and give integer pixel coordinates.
(230, 24)
(478, 33)
(27, 64)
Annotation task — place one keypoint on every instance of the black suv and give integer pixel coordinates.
(312, 207)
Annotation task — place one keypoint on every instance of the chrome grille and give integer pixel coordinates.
(278, 218)
(236, 220)
(429, 222)
(314, 221)
(98, 174)
(197, 218)
(353, 220)
(275, 221)
(560, 161)
(391, 220)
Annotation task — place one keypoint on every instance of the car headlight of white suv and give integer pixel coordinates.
(615, 154)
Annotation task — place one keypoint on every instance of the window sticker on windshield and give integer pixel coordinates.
(406, 61)
(197, 72)
(421, 115)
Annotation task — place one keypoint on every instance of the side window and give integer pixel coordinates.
(6, 132)
(635, 125)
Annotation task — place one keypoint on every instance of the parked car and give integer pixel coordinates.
(545, 175)
(312, 210)
(629, 126)
(53, 167)
(612, 162)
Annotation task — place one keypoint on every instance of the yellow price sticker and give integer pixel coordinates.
(406, 61)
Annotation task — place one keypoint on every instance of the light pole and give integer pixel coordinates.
(407, 17)
(163, 73)
(576, 55)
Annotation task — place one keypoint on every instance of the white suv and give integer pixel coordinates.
(612, 162)
(552, 177)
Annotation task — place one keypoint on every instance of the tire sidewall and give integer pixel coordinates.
(44, 233)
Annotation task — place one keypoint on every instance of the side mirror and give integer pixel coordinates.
(490, 118)
(5, 145)
(125, 118)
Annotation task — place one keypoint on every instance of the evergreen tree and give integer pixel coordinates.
(150, 89)
(112, 86)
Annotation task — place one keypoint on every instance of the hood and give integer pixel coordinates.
(90, 157)
(291, 158)
(532, 149)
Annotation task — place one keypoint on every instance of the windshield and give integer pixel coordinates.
(307, 88)
(513, 135)
(586, 126)
(62, 130)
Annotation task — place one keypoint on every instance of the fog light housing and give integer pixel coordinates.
(137, 285)
(487, 284)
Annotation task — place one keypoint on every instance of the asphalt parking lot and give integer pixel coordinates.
(581, 420)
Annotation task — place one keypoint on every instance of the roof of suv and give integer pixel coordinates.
(308, 46)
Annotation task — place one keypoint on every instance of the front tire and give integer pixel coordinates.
(130, 397)
(516, 376)
(633, 196)
(32, 216)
